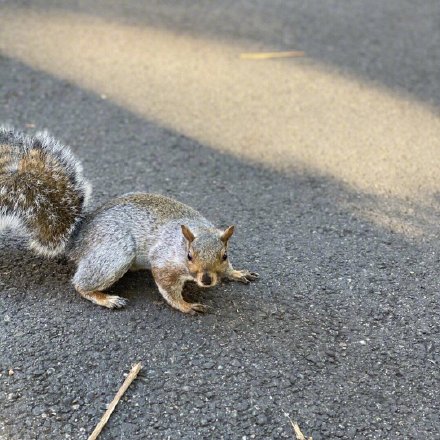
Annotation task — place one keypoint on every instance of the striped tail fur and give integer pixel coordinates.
(42, 190)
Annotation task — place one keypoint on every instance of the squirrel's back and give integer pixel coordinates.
(164, 209)
(42, 189)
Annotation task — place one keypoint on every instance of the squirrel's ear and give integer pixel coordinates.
(227, 234)
(187, 233)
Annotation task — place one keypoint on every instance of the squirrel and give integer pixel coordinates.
(44, 195)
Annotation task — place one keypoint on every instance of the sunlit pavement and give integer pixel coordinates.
(288, 114)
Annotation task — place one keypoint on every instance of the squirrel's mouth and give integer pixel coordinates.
(206, 279)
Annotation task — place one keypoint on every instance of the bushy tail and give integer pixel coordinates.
(42, 189)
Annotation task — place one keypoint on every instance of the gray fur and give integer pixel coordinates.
(140, 229)
(105, 264)
(208, 245)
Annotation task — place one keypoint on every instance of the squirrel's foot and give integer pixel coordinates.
(197, 307)
(104, 300)
(242, 276)
(115, 302)
(190, 308)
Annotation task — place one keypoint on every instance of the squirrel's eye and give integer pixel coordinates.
(225, 257)
(190, 257)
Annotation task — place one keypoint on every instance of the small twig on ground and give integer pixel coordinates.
(128, 380)
(270, 55)
(298, 434)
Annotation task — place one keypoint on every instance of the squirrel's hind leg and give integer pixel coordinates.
(102, 267)
(102, 299)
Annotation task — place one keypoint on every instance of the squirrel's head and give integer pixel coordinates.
(207, 256)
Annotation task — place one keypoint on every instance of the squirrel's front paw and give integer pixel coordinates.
(251, 276)
(243, 276)
(189, 308)
(197, 307)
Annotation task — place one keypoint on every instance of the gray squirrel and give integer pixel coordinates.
(44, 195)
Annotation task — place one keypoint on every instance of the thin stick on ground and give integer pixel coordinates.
(298, 434)
(128, 380)
(270, 55)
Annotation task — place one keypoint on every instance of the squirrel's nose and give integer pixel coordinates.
(206, 279)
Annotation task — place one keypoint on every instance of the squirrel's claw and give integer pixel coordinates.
(104, 300)
(252, 276)
(243, 280)
(115, 302)
(242, 276)
(190, 308)
(197, 307)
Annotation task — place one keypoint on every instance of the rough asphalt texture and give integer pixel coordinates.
(342, 332)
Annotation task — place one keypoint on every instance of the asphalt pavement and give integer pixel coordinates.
(328, 166)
